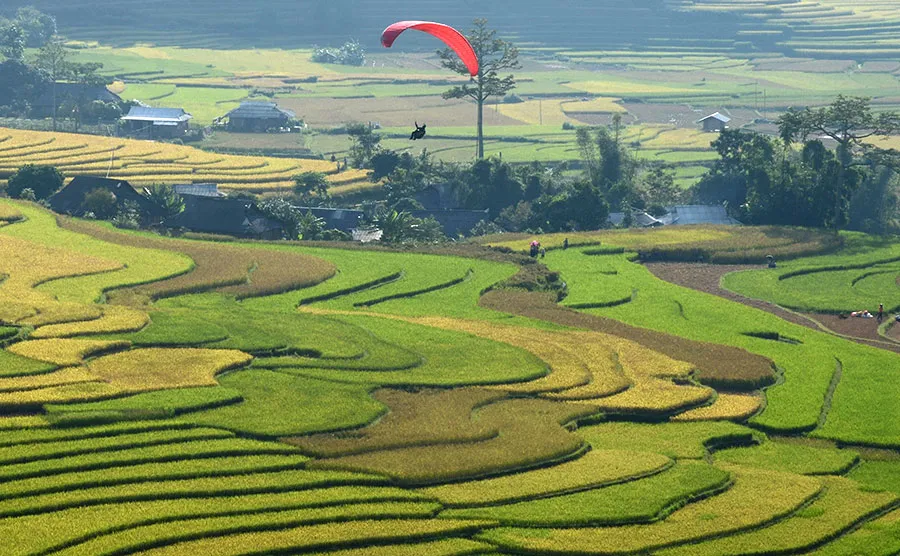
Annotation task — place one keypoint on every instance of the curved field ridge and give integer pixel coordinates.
(595, 469)
(757, 497)
(217, 266)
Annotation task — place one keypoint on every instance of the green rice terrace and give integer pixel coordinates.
(175, 396)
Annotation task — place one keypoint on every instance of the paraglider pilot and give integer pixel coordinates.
(418, 133)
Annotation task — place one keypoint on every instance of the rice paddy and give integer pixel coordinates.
(359, 402)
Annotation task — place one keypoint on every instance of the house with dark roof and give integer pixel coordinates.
(70, 199)
(198, 189)
(639, 219)
(454, 222)
(714, 122)
(217, 215)
(345, 220)
(67, 93)
(257, 117)
(156, 123)
(698, 214)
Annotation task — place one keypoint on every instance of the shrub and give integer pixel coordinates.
(101, 202)
(44, 181)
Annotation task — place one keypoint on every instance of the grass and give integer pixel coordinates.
(152, 454)
(146, 369)
(595, 469)
(65, 351)
(794, 405)
(756, 498)
(23, 454)
(675, 440)
(331, 535)
(637, 501)
(136, 162)
(149, 405)
(275, 404)
(83, 530)
(12, 365)
(115, 319)
(841, 506)
(151, 473)
(450, 358)
(276, 482)
(135, 264)
(417, 418)
(878, 475)
(795, 458)
(732, 407)
(879, 537)
(239, 271)
(530, 434)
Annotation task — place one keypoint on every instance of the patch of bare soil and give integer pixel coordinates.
(706, 277)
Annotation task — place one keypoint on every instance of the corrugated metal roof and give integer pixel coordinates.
(259, 110)
(199, 189)
(159, 115)
(718, 116)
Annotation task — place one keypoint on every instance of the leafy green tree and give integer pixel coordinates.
(12, 41)
(495, 56)
(660, 187)
(85, 75)
(849, 121)
(310, 226)
(310, 186)
(283, 212)
(492, 185)
(53, 60)
(363, 144)
(102, 203)
(37, 26)
(169, 202)
(19, 84)
(44, 181)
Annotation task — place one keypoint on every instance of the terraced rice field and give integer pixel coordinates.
(357, 402)
(145, 162)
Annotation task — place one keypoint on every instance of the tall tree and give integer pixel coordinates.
(12, 41)
(86, 76)
(494, 57)
(849, 121)
(53, 60)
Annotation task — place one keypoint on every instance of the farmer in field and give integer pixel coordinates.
(418, 133)
(880, 312)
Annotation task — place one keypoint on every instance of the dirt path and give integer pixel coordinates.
(706, 278)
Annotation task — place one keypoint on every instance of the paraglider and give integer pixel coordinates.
(418, 133)
(451, 37)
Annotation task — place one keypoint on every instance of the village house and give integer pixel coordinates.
(257, 117)
(714, 122)
(70, 199)
(156, 123)
(225, 216)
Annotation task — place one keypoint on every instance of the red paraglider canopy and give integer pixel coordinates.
(453, 38)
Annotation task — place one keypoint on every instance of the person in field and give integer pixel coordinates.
(418, 133)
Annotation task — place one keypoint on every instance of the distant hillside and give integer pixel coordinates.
(819, 28)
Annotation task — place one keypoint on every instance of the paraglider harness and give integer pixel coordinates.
(418, 133)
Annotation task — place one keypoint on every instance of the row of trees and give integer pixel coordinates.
(798, 179)
(25, 80)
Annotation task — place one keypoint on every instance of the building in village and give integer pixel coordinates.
(155, 123)
(70, 199)
(714, 122)
(257, 117)
(225, 216)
